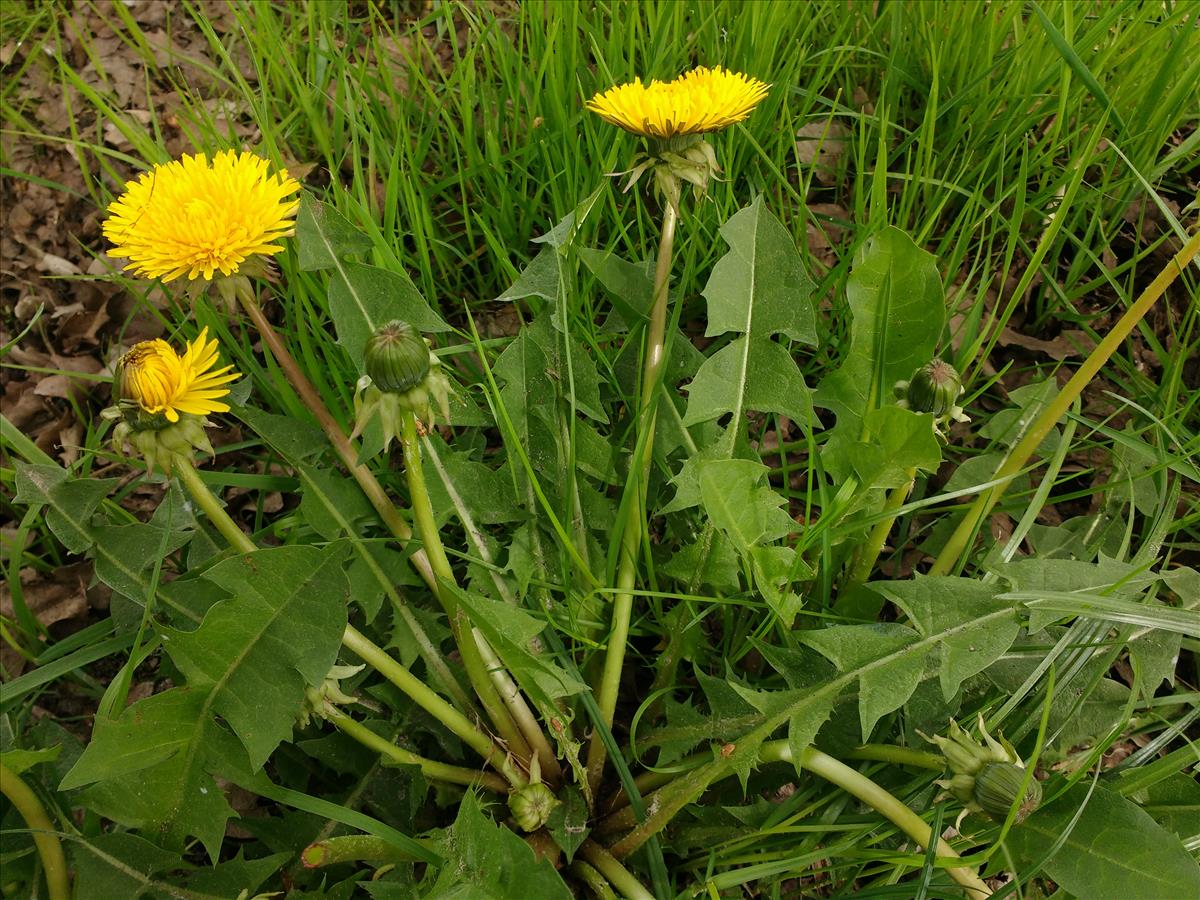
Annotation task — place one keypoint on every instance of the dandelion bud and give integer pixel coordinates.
(986, 777)
(934, 389)
(997, 787)
(397, 357)
(403, 377)
(531, 805)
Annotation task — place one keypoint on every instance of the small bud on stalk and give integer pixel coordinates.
(403, 377)
(934, 388)
(397, 357)
(532, 804)
(986, 777)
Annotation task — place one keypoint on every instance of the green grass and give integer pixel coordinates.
(1042, 153)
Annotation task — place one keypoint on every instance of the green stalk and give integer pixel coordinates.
(352, 848)
(849, 780)
(855, 783)
(370, 486)
(870, 551)
(342, 445)
(354, 640)
(508, 690)
(596, 883)
(635, 520)
(460, 625)
(430, 768)
(186, 472)
(618, 876)
(1015, 461)
(432, 703)
(901, 756)
(45, 835)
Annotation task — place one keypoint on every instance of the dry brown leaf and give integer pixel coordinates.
(1067, 345)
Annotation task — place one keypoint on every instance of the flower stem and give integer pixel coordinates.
(901, 756)
(45, 835)
(869, 552)
(432, 703)
(460, 624)
(354, 640)
(595, 882)
(635, 521)
(1016, 459)
(342, 445)
(351, 848)
(855, 783)
(618, 876)
(849, 780)
(430, 768)
(387, 511)
(208, 502)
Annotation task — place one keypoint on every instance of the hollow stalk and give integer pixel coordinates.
(354, 640)
(430, 768)
(45, 835)
(855, 783)
(631, 535)
(346, 450)
(610, 867)
(460, 625)
(870, 551)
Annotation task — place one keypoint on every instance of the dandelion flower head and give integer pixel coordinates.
(194, 217)
(159, 380)
(698, 101)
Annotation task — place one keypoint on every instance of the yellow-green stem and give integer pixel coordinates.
(460, 624)
(432, 703)
(849, 780)
(521, 714)
(370, 486)
(208, 502)
(354, 640)
(1016, 459)
(342, 445)
(635, 519)
(869, 552)
(596, 883)
(610, 867)
(432, 769)
(45, 835)
(855, 783)
(352, 848)
(901, 756)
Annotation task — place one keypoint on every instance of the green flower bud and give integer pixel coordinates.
(987, 776)
(531, 805)
(997, 787)
(397, 357)
(403, 377)
(934, 388)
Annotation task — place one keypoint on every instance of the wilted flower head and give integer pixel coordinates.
(196, 218)
(160, 381)
(696, 102)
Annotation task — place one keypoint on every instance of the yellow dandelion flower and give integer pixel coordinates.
(159, 380)
(698, 101)
(195, 218)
